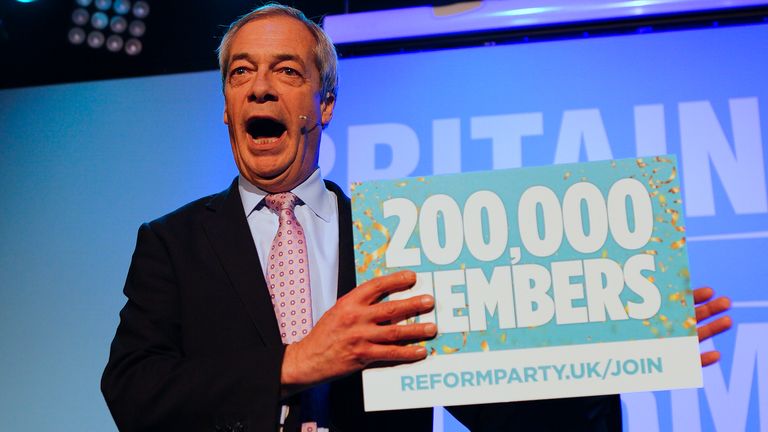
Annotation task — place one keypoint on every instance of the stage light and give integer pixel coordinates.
(99, 20)
(80, 17)
(133, 47)
(141, 9)
(76, 36)
(122, 7)
(103, 4)
(95, 39)
(114, 43)
(137, 28)
(103, 23)
(118, 24)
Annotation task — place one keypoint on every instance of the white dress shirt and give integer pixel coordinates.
(318, 213)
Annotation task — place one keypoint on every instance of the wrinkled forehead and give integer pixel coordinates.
(274, 36)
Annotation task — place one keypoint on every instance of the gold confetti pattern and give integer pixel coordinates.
(368, 258)
(675, 215)
(678, 244)
(689, 322)
(449, 350)
(484, 346)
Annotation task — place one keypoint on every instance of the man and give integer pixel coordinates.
(207, 340)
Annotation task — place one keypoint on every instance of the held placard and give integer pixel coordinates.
(558, 281)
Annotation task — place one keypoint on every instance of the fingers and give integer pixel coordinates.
(709, 358)
(700, 295)
(396, 353)
(714, 307)
(394, 310)
(715, 327)
(374, 289)
(402, 333)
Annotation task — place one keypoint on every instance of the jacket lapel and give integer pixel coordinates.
(347, 280)
(228, 232)
(230, 237)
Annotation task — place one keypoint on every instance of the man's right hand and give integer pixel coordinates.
(357, 331)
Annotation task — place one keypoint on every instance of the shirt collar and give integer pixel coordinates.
(311, 192)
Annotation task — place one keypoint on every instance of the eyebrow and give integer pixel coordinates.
(278, 57)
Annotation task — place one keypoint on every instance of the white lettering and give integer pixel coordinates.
(584, 125)
(741, 169)
(506, 133)
(495, 296)
(361, 145)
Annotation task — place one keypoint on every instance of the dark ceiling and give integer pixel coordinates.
(181, 36)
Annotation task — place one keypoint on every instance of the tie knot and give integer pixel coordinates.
(281, 201)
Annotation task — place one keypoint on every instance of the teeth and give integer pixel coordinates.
(264, 140)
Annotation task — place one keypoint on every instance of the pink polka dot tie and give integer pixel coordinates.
(288, 271)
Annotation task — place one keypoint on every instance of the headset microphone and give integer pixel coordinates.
(304, 129)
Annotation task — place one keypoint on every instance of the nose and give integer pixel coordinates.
(262, 88)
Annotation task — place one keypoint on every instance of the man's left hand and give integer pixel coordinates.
(705, 308)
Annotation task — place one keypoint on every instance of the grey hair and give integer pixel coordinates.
(326, 59)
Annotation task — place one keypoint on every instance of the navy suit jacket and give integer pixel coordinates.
(198, 346)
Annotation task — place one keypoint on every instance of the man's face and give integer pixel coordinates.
(273, 83)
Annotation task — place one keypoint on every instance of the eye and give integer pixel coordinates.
(239, 75)
(240, 70)
(289, 71)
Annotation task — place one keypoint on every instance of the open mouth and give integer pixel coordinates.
(265, 130)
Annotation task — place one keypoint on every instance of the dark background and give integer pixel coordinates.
(182, 36)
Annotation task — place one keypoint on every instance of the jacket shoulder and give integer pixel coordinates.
(194, 211)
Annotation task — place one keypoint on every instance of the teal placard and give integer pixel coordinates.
(450, 210)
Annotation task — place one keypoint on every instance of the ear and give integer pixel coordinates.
(226, 117)
(326, 109)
